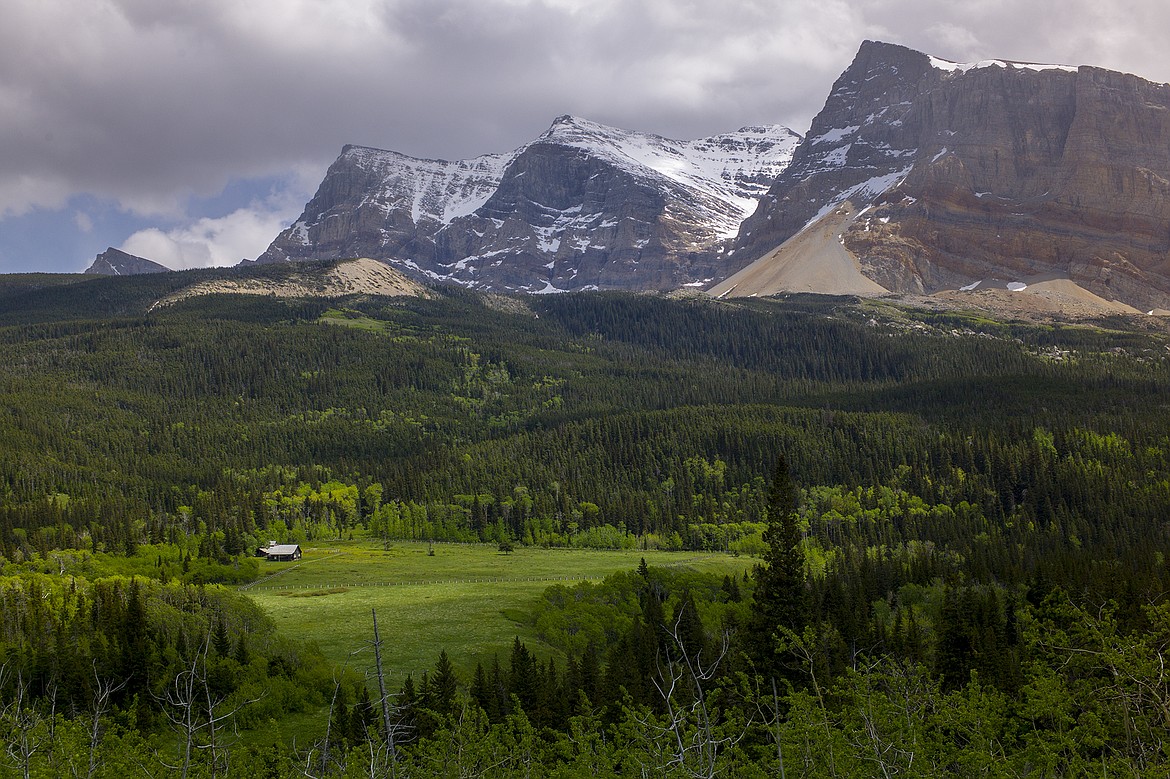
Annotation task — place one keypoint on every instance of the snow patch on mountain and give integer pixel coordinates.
(437, 190)
(865, 192)
(959, 67)
(731, 169)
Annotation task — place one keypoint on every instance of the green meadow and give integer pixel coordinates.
(471, 600)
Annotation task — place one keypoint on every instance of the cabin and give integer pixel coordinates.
(280, 553)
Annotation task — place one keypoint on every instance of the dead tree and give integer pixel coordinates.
(103, 692)
(684, 680)
(199, 715)
(22, 722)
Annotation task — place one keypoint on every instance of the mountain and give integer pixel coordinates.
(115, 262)
(582, 206)
(313, 280)
(925, 176)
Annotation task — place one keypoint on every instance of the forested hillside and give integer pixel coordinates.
(966, 491)
(455, 419)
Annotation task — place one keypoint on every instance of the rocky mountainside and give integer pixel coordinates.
(115, 262)
(583, 206)
(945, 176)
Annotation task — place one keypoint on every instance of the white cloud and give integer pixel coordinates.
(152, 105)
(958, 42)
(21, 193)
(242, 234)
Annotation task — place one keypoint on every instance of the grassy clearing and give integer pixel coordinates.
(465, 599)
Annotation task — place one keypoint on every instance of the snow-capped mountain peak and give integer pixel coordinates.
(581, 205)
(735, 168)
(436, 190)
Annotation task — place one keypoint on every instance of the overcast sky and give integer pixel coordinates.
(191, 131)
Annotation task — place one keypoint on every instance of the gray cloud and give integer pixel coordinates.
(150, 103)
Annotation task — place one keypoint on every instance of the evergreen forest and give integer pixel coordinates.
(960, 528)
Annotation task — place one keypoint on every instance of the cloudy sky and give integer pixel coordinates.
(191, 131)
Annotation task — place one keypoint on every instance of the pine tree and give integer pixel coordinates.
(498, 701)
(220, 643)
(408, 703)
(522, 675)
(591, 674)
(443, 686)
(688, 626)
(339, 726)
(242, 655)
(730, 588)
(480, 690)
(780, 600)
(361, 716)
(134, 660)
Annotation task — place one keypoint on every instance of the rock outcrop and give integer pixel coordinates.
(993, 170)
(115, 262)
(583, 206)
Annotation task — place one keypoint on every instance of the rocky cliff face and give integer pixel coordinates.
(115, 262)
(993, 170)
(583, 206)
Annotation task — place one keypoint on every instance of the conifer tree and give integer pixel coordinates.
(498, 701)
(730, 588)
(408, 701)
(779, 601)
(443, 686)
(688, 626)
(361, 716)
(339, 727)
(220, 643)
(480, 690)
(522, 675)
(135, 646)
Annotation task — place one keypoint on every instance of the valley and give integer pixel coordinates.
(468, 599)
(844, 454)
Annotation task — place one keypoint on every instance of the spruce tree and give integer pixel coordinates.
(688, 627)
(134, 643)
(730, 589)
(361, 716)
(499, 703)
(408, 701)
(221, 644)
(480, 690)
(339, 726)
(522, 680)
(443, 686)
(779, 601)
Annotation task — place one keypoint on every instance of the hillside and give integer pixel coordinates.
(348, 277)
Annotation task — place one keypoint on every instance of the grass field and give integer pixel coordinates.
(468, 599)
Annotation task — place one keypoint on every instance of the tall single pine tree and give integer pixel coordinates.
(780, 600)
(443, 686)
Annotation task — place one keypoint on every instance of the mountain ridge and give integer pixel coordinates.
(581, 206)
(920, 176)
